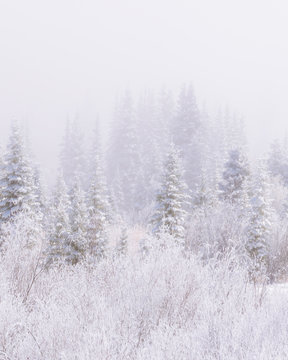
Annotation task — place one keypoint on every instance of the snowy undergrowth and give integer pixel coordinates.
(162, 306)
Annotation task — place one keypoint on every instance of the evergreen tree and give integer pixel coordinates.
(98, 214)
(78, 241)
(153, 134)
(187, 118)
(72, 157)
(170, 211)
(233, 187)
(17, 182)
(237, 131)
(278, 161)
(60, 235)
(214, 140)
(232, 128)
(116, 196)
(123, 153)
(41, 196)
(259, 229)
(203, 198)
(165, 117)
(186, 134)
(96, 150)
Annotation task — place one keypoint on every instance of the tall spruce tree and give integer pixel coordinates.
(170, 213)
(72, 157)
(78, 238)
(187, 118)
(278, 161)
(95, 150)
(17, 182)
(233, 187)
(123, 153)
(203, 197)
(41, 196)
(186, 134)
(98, 214)
(259, 229)
(60, 234)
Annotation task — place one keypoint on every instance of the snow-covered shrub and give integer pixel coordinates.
(166, 305)
(22, 252)
(278, 252)
(217, 231)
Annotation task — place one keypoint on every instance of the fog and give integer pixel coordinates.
(68, 57)
(170, 241)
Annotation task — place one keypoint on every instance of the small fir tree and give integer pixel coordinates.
(78, 242)
(170, 210)
(72, 157)
(17, 182)
(233, 187)
(98, 214)
(60, 234)
(203, 197)
(259, 229)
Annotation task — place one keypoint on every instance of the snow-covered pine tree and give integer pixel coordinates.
(203, 197)
(123, 152)
(41, 196)
(78, 238)
(186, 134)
(98, 214)
(145, 134)
(72, 156)
(163, 128)
(95, 151)
(278, 161)
(60, 234)
(17, 182)
(233, 187)
(259, 229)
(276, 158)
(187, 117)
(153, 130)
(237, 132)
(19, 203)
(116, 197)
(217, 140)
(232, 130)
(170, 213)
(165, 115)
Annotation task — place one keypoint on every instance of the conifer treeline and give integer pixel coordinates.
(165, 161)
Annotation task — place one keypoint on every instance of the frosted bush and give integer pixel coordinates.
(165, 305)
(217, 231)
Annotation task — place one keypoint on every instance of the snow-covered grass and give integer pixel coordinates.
(167, 305)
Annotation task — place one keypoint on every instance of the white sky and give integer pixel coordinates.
(61, 57)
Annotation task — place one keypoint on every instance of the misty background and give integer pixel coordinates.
(171, 240)
(61, 59)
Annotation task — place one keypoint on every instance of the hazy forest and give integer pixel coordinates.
(164, 242)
